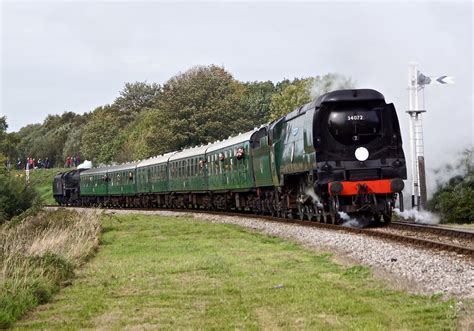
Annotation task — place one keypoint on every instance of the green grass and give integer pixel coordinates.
(175, 273)
(42, 181)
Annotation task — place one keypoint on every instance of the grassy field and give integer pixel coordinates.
(156, 272)
(42, 181)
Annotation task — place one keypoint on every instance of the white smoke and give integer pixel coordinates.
(320, 85)
(85, 165)
(310, 192)
(351, 222)
(419, 216)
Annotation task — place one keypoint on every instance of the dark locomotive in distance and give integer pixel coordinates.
(340, 153)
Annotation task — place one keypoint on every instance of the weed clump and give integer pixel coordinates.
(40, 252)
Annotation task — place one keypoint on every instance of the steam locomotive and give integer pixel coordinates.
(341, 153)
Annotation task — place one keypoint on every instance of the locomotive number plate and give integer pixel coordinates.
(355, 117)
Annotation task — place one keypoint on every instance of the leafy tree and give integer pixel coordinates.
(10, 146)
(103, 135)
(3, 134)
(454, 199)
(3, 140)
(199, 106)
(301, 91)
(49, 138)
(142, 135)
(137, 96)
(292, 96)
(72, 145)
(3, 126)
(256, 101)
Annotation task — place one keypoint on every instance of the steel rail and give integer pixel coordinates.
(435, 229)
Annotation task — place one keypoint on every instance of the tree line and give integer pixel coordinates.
(201, 105)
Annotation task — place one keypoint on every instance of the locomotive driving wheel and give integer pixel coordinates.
(387, 213)
(333, 216)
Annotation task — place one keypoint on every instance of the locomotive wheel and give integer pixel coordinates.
(319, 216)
(324, 218)
(328, 219)
(334, 216)
(387, 214)
(387, 218)
(301, 212)
(377, 218)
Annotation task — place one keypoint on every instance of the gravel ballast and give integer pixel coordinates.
(407, 267)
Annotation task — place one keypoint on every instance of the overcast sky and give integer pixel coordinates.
(75, 56)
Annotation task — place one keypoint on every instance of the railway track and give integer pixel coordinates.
(427, 237)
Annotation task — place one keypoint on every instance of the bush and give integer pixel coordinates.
(16, 196)
(454, 199)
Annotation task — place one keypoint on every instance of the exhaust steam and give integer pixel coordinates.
(419, 216)
(85, 165)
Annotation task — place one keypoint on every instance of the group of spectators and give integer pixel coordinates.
(72, 161)
(32, 163)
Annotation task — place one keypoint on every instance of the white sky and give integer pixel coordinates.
(58, 56)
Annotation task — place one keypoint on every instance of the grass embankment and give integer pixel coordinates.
(156, 272)
(42, 181)
(38, 254)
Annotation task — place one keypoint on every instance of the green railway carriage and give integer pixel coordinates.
(293, 150)
(187, 170)
(229, 164)
(260, 151)
(122, 179)
(152, 174)
(94, 182)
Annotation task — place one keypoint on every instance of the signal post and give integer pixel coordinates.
(416, 83)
